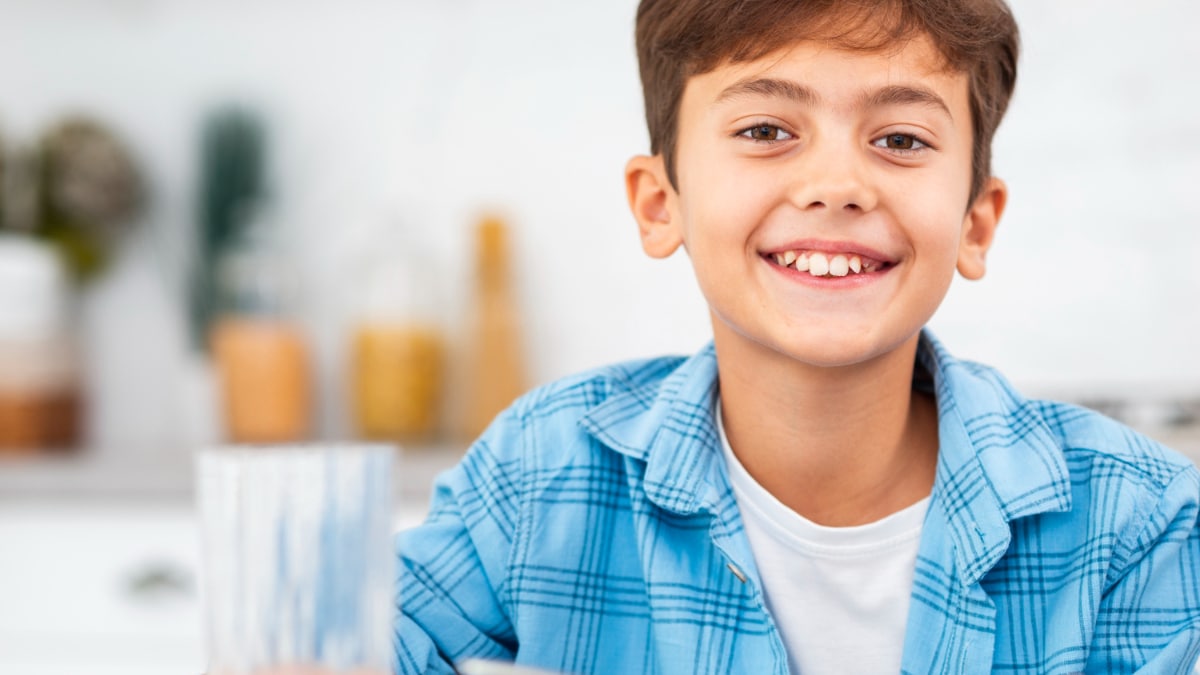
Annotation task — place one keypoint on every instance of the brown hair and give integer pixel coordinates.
(678, 39)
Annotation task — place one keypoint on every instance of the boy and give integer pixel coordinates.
(824, 489)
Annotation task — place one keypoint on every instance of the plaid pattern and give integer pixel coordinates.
(592, 529)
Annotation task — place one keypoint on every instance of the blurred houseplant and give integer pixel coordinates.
(231, 183)
(89, 192)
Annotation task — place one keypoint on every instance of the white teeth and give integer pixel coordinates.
(839, 266)
(824, 264)
(818, 265)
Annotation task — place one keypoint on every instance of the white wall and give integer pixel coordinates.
(1093, 283)
(398, 121)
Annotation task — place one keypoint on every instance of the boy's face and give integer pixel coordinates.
(844, 160)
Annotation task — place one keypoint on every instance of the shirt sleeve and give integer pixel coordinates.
(452, 570)
(1149, 619)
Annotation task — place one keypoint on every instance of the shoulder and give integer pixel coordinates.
(1129, 493)
(539, 436)
(1093, 446)
(1076, 467)
(547, 424)
(1102, 448)
(1144, 490)
(575, 395)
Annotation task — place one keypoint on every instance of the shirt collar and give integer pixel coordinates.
(997, 460)
(668, 424)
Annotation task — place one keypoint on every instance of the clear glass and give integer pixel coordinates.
(297, 557)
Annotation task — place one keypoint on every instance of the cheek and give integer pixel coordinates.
(935, 237)
(937, 210)
(732, 200)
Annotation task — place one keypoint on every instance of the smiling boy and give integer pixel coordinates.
(824, 489)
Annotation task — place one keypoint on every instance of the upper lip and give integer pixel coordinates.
(827, 246)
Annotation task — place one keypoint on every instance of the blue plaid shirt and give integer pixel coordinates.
(592, 529)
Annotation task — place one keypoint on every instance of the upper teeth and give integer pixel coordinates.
(824, 264)
(818, 265)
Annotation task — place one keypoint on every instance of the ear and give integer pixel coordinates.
(651, 198)
(979, 228)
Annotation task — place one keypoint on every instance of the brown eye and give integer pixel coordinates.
(765, 133)
(902, 144)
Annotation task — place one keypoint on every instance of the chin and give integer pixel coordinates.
(840, 350)
(840, 358)
(823, 343)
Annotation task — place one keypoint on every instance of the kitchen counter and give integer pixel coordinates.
(168, 476)
(98, 566)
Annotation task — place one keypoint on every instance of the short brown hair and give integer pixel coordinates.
(678, 39)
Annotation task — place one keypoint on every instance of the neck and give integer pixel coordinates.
(840, 446)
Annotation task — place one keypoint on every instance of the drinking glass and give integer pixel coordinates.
(297, 557)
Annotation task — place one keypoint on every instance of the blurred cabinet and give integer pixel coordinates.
(99, 589)
(106, 588)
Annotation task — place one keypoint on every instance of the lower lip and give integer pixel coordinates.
(849, 281)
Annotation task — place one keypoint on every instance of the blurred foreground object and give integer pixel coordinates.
(40, 395)
(398, 352)
(482, 667)
(297, 558)
(89, 191)
(262, 357)
(495, 365)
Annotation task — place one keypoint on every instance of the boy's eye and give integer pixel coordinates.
(765, 132)
(900, 142)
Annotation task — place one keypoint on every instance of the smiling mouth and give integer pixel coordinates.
(821, 264)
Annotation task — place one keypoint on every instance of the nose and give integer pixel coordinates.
(832, 175)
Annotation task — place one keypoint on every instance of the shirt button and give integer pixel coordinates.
(736, 572)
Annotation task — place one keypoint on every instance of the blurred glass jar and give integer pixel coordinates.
(40, 385)
(397, 351)
(262, 356)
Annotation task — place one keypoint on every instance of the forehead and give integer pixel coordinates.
(821, 73)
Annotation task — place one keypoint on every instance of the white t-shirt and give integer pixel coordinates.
(839, 595)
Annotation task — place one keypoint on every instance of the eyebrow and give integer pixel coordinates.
(886, 96)
(769, 87)
(905, 95)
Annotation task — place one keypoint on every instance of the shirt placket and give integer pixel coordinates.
(734, 548)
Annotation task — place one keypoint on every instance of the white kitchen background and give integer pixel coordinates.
(396, 123)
